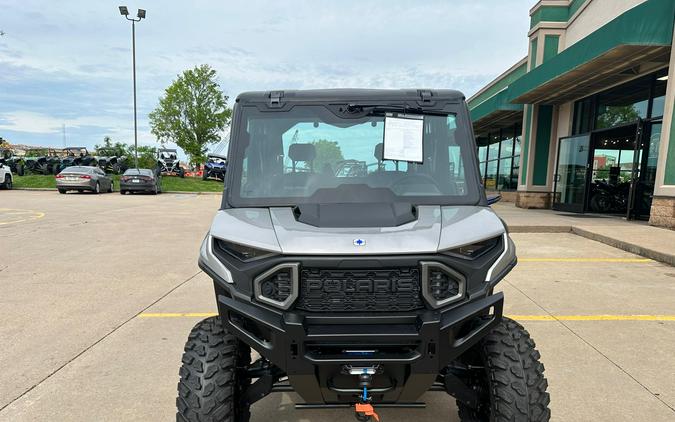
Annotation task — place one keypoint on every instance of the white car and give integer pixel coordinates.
(6, 177)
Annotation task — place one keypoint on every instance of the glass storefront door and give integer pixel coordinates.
(571, 174)
(641, 198)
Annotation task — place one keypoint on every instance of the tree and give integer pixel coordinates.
(327, 152)
(615, 115)
(192, 113)
(147, 156)
(118, 149)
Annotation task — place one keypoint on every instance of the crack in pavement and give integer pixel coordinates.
(568, 328)
(86, 349)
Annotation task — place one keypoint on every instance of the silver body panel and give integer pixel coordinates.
(246, 226)
(420, 236)
(437, 228)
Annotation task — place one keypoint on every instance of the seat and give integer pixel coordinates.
(306, 153)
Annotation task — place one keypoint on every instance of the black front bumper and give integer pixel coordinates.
(411, 348)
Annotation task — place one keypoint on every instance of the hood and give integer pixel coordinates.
(436, 228)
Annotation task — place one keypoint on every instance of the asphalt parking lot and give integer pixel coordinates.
(98, 293)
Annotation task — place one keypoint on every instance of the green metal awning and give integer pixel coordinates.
(634, 43)
(496, 112)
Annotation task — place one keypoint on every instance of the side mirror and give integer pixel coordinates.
(493, 199)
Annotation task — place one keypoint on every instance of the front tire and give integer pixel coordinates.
(512, 386)
(211, 381)
(7, 183)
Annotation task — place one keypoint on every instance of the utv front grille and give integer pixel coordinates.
(360, 290)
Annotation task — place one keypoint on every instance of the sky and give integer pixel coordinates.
(69, 62)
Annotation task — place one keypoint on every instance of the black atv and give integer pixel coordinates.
(15, 163)
(215, 167)
(41, 161)
(168, 163)
(77, 156)
(362, 277)
(109, 161)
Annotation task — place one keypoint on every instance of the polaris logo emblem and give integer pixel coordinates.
(359, 242)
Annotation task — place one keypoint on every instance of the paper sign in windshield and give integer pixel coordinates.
(403, 139)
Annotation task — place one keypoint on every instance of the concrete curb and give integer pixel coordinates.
(626, 246)
(36, 189)
(540, 229)
(610, 241)
(171, 192)
(192, 193)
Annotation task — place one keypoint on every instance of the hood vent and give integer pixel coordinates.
(356, 215)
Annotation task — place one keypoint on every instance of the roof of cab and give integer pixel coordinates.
(350, 94)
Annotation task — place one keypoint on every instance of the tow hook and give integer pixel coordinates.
(364, 409)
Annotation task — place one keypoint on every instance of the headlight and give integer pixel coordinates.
(278, 286)
(242, 252)
(441, 285)
(474, 250)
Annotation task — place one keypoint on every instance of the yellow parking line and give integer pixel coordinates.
(25, 215)
(593, 317)
(623, 260)
(516, 317)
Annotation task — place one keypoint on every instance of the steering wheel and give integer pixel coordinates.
(422, 179)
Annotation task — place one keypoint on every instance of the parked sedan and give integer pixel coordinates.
(141, 180)
(81, 178)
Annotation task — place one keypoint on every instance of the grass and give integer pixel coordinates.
(34, 181)
(169, 183)
(190, 184)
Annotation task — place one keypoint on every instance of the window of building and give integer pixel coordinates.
(623, 104)
(642, 98)
(659, 95)
(583, 115)
(499, 156)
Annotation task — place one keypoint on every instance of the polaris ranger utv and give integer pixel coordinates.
(358, 289)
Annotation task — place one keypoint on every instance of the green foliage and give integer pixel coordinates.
(615, 115)
(188, 184)
(147, 156)
(327, 152)
(37, 152)
(192, 113)
(110, 148)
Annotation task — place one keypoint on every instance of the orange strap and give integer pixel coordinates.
(367, 409)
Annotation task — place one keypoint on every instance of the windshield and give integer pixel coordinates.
(310, 155)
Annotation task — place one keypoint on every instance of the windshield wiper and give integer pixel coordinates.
(366, 109)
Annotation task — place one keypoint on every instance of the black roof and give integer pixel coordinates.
(350, 94)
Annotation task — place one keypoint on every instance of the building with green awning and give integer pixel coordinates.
(584, 122)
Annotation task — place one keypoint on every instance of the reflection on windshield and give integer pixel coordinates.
(291, 157)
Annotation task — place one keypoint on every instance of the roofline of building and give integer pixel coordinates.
(497, 79)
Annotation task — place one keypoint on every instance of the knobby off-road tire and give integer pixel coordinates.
(513, 385)
(211, 377)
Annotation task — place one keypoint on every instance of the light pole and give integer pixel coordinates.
(140, 15)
